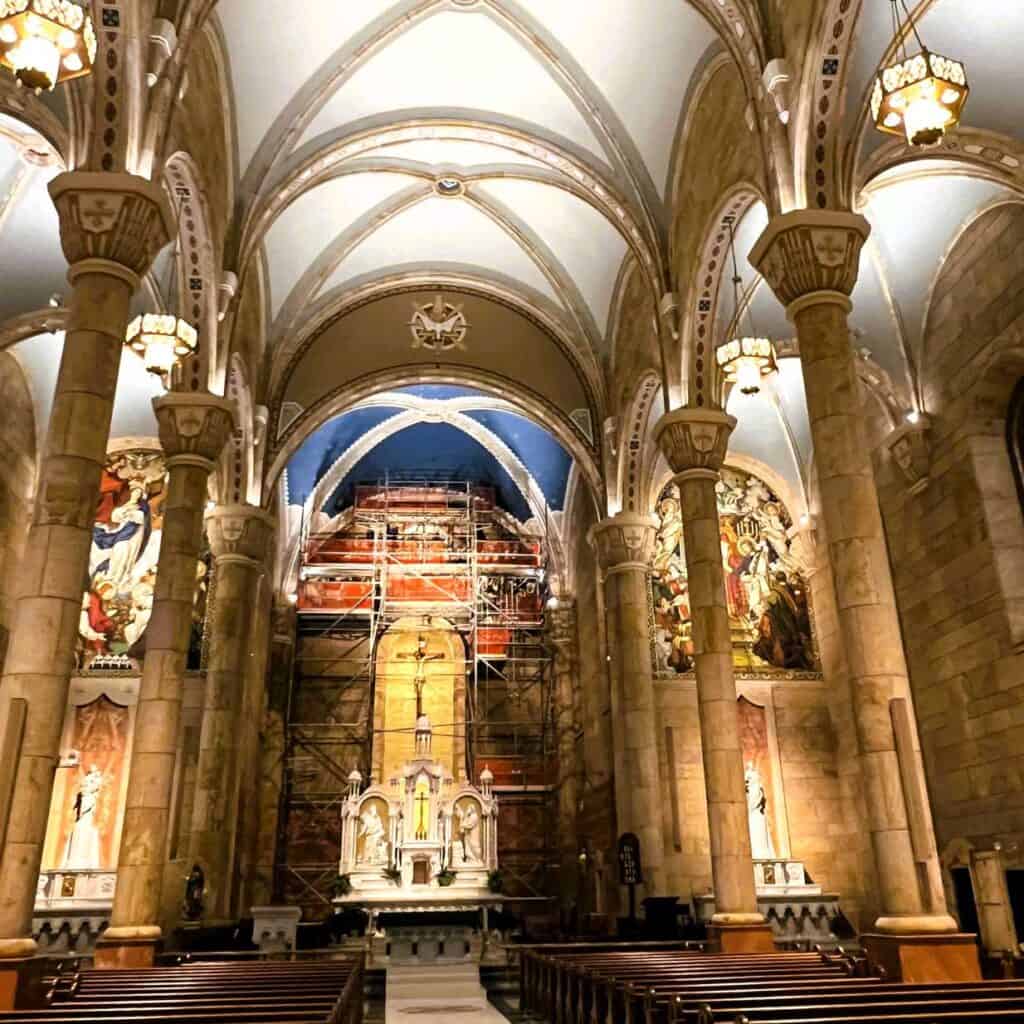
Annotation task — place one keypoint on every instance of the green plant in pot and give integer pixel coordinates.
(495, 881)
(446, 877)
(342, 885)
(393, 875)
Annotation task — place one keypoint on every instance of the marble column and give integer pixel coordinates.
(111, 227)
(560, 621)
(193, 431)
(625, 547)
(240, 536)
(810, 258)
(694, 441)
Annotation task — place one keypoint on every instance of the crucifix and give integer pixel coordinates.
(422, 800)
(421, 657)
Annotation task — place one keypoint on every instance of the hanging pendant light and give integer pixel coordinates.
(746, 359)
(46, 41)
(921, 96)
(162, 341)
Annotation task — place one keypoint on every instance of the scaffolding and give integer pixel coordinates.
(417, 547)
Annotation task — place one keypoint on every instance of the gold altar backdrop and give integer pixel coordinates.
(89, 787)
(441, 664)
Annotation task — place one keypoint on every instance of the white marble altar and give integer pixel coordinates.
(423, 839)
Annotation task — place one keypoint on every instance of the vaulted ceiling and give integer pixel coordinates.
(522, 155)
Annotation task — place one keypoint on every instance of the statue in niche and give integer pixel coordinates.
(468, 832)
(761, 847)
(371, 829)
(195, 886)
(83, 849)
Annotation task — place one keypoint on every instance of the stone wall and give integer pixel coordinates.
(957, 546)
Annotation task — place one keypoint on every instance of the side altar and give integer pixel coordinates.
(422, 841)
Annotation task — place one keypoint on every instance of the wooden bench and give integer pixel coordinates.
(265, 992)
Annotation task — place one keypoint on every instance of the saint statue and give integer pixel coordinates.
(761, 847)
(195, 886)
(83, 849)
(371, 828)
(468, 830)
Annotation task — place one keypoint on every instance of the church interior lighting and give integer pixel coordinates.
(921, 96)
(162, 341)
(44, 42)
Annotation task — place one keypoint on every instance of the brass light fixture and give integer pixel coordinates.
(162, 341)
(44, 42)
(746, 359)
(921, 96)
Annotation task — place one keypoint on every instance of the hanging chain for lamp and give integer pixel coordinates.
(162, 339)
(746, 358)
(921, 96)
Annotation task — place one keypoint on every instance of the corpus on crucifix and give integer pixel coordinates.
(421, 657)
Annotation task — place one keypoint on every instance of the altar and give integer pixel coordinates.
(421, 840)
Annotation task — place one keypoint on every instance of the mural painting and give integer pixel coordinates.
(87, 791)
(766, 594)
(118, 600)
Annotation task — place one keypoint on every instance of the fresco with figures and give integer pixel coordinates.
(118, 600)
(766, 594)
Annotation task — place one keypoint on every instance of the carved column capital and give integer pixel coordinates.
(910, 447)
(118, 219)
(241, 533)
(694, 439)
(193, 427)
(807, 255)
(625, 541)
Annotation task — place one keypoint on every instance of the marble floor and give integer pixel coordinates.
(438, 993)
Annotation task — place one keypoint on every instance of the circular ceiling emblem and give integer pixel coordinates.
(438, 325)
(448, 186)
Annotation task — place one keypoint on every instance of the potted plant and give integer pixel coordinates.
(342, 885)
(392, 874)
(446, 877)
(495, 881)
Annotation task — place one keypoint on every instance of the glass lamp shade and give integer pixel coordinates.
(161, 340)
(746, 362)
(921, 97)
(44, 42)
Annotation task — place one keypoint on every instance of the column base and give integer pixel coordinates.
(741, 938)
(127, 947)
(924, 958)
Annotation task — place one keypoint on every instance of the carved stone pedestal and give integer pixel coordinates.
(924, 958)
(741, 938)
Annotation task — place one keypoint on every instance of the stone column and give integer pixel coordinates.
(240, 537)
(254, 704)
(560, 621)
(625, 546)
(279, 681)
(111, 226)
(811, 259)
(193, 431)
(694, 441)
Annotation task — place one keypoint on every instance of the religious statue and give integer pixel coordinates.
(468, 832)
(83, 849)
(761, 847)
(371, 828)
(195, 886)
